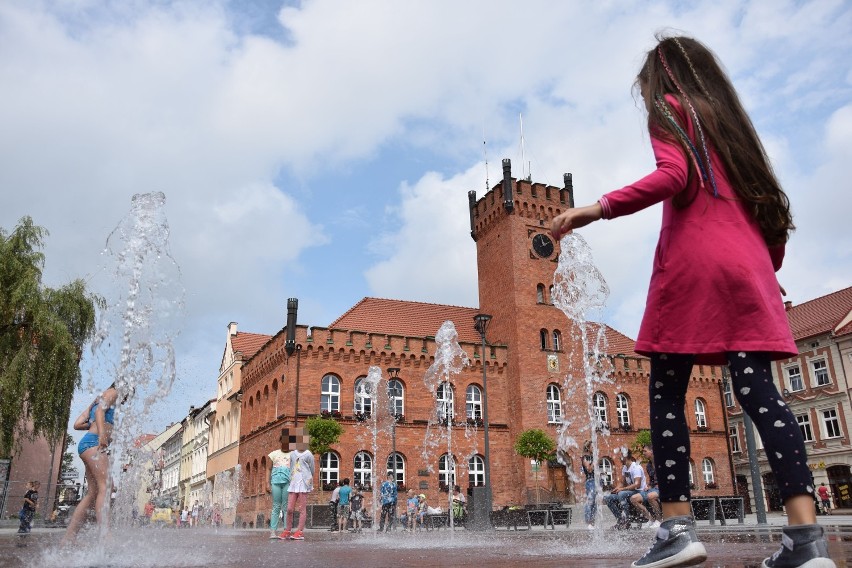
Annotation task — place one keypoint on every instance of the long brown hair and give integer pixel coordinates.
(685, 68)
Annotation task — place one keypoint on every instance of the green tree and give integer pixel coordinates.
(324, 433)
(535, 444)
(42, 334)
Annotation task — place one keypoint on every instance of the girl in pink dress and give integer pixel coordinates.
(713, 296)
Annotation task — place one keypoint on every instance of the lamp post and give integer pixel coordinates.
(393, 375)
(481, 324)
(290, 346)
(756, 484)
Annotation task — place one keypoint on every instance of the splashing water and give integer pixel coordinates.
(579, 289)
(450, 359)
(134, 340)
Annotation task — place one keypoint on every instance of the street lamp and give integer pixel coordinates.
(393, 375)
(481, 324)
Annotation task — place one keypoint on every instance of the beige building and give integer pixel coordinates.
(193, 455)
(171, 450)
(816, 387)
(223, 471)
(152, 470)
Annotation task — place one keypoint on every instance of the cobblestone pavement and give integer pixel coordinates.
(737, 545)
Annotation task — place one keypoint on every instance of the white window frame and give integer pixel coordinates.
(804, 422)
(605, 468)
(734, 435)
(729, 394)
(820, 374)
(330, 468)
(445, 401)
(362, 469)
(539, 293)
(473, 402)
(700, 413)
(622, 409)
(691, 476)
(554, 404)
(543, 338)
(363, 398)
(707, 471)
(833, 419)
(794, 378)
(400, 467)
(396, 396)
(476, 471)
(557, 340)
(446, 474)
(330, 395)
(599, 404)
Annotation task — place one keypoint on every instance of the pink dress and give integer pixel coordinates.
(713, 286)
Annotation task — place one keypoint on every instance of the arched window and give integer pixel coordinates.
(362, 471)
(543, 334)
(446, 472)
(707, 471)
(330, 468)
(550, 294)
(700, 413)
(396, 460)
(445, 402)
(396, 395)
(476, 471)
(557, 340)
(363, 397)
(729, 394)
(599, 404)
(605, 472)
(473, 402)
(554, 405)
(330, 398)
(622, 410)
(539, 293)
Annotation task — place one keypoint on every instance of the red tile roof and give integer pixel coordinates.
(821, 315)
(412, 319)
(419, 319)
(249, 343)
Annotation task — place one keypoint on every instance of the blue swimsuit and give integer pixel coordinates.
(90, 439)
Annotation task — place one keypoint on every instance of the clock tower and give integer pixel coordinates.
(516, 259)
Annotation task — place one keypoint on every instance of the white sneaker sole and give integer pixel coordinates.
(694, 553)
(813, 563)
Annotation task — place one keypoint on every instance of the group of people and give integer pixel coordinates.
(347, 505)
(637, 490)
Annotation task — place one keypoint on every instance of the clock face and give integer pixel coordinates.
(542, 245)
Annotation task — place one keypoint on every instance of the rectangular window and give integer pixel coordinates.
(832, 424)
(729, 394)
(735, 439)
(804, 421)
(820, 372)
(794, 377)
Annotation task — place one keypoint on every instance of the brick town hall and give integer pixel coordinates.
(529, 353)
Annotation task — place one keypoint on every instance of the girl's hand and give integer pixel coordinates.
(574, 219)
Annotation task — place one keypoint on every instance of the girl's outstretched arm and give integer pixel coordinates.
(574, 219)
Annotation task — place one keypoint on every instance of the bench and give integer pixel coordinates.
(543, 514)
(728, 504)
(707, 504)
(437, 521)
(560, 516)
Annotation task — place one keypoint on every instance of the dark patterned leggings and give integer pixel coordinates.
(755, 391)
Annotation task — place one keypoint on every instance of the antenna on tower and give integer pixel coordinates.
(485, 152)
(528, 177)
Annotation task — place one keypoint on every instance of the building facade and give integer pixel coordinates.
(171, 452)
(815, 385)
(533, 366)
(223, 469)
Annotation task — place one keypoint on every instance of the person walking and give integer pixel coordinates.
(301, 483)
(279, 480)
(824, 498)
(29, 507)
(93, 449)
(713, 296)
(356, 508)
(388, 493)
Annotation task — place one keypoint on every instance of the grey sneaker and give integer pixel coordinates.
(675, 545)
(802, 546)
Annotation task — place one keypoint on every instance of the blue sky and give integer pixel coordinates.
(324, 149)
